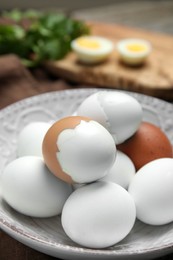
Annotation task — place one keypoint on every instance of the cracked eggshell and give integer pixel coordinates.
(118, 112)
(78, 150)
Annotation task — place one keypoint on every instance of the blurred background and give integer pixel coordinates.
(62, 4)
(155, 15)
(125, 17)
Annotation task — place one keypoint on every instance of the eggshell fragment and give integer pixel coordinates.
(147, 144)
(152, 191)
(78, 149)
(98, 215)
(118, 112)
(30, 138)
(122, 171)
(30, 188)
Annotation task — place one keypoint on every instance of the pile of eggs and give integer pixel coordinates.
(99, 169)
(93, 49)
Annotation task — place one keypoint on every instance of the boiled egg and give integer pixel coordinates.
(152, 191)
(98, 215)
(92, 49)
(118, 112)
(133, 51)
(147, 144)
(30, 138)
(31, 189)
(78, 150)
(122, 171)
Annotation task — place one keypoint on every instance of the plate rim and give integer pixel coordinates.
(17, 232)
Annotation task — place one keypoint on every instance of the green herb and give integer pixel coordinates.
(48, 36)
(17, 15)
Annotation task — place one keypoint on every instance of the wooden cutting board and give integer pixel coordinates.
(154, 78)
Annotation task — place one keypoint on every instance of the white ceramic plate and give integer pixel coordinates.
(47, 235)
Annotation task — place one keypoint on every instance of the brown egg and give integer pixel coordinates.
(78, 150)
(50, 148)
(147, 144)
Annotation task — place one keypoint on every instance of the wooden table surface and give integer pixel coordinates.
(17, 83)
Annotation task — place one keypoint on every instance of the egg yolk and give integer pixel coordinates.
(136, 47)
(88, 43)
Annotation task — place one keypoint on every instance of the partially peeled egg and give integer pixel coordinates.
(78, 150)
(120, 113)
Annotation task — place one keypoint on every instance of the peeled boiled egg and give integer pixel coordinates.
(92, 49)
(118, 112)
(78, 149)
(152, 191)
(30, 139)
(31, 189)
(122, 171)
(133, 51)
(147, 144)
(98, 215)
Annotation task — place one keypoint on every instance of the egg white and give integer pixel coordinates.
(92, 55)
(133, 57)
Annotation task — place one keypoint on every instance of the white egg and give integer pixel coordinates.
(118, 112)
(92, 49)
(31, 189)
(122, 171)
(133, 51)
(98, 215)
(87, 152)
(30, 139)
(152, 191)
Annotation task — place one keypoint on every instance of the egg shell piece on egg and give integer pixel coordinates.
(98, 215)
(31, 189)
(134, 51)
(147, 144)
(118, 112)
(152, 191)
(30, 138)
(78, 149)
(92, 49)
(122, 171)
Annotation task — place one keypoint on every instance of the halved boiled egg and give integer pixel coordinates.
(92, 49)
(134, 51)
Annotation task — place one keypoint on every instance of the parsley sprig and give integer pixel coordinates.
(48, 36)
